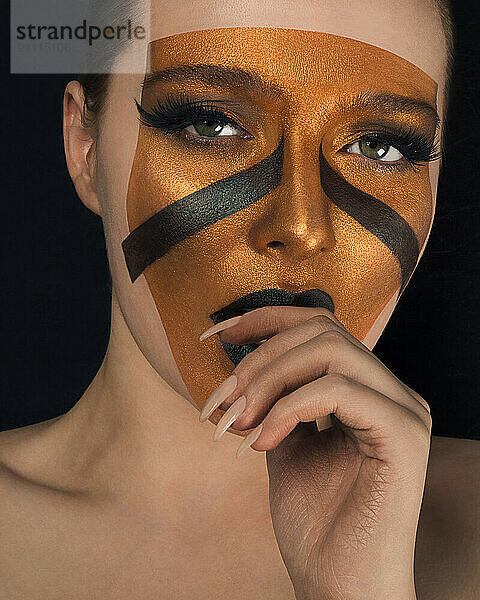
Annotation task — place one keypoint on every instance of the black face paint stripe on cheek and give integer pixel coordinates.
(189, 215)
(376, 216)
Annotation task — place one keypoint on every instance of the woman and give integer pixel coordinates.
(266, 192)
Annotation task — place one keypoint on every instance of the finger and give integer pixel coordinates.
(327, 353)
(289, 326)
(379, 425)
(417, 396)
(267, 321)
(285, 339)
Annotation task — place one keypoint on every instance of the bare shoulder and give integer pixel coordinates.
(25, 481)
(13, 453)
(19, 451)
(45, 529)
(448, 542)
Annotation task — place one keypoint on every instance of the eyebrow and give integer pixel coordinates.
(230, 77)
(393, 103)
(235, 77)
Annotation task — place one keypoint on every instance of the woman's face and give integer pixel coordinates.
(271, 165)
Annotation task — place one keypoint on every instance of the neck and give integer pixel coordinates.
(137, 437)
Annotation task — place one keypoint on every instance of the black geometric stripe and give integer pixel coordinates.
(189, 215)
(376, 216)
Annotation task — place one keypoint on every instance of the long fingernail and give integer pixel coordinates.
(220, 327)
(218, 396)
(229, 417)
(248, 441)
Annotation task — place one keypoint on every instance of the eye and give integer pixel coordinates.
(394, 147)
(197, 120)
(375, 148)
(211, 127)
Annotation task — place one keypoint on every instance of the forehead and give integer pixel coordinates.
(285, 59)
(410, 29)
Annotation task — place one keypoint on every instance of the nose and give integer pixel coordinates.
(295, 223)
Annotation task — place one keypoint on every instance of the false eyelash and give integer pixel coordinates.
(179, 111)
(415, 146)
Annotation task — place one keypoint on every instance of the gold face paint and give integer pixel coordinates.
(310, 81)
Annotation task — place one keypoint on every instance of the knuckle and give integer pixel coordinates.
(250, 362)
(421, 430)
(333, 337)
(335, 381)
(322, 320)
(419, 399)
(425, 405)
(323, 312)
(263, 384)
(265, 381)
(429, 421)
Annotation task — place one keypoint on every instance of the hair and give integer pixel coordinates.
(449, 26)
(95, 85)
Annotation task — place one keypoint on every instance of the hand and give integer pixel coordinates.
(344, 501)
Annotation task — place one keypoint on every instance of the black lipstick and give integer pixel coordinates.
(267, 297)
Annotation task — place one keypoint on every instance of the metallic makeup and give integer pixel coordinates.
(284, 209)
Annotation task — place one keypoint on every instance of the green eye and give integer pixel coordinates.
(211, 127)
(208, 127)
(376, 149)
(373, 148)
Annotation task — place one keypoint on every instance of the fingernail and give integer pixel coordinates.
(229, 417)
(220, 327)
(222, 392)
(248, 441)
(324, 422)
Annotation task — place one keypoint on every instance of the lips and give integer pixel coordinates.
(268, 297)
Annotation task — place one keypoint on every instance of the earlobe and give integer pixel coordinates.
(79, 147)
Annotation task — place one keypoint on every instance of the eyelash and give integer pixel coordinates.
(178, 112)
(415, 146)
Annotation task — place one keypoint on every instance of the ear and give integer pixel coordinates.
(79, 145)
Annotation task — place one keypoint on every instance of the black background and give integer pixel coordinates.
(56, 286)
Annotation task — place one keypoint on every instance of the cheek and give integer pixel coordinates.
(362, 274)
(164, 170)
(190, 280)
(381, 221)
(399, 199)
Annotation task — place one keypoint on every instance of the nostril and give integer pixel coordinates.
(275, 244)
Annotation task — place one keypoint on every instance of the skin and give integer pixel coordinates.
(305, 514)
